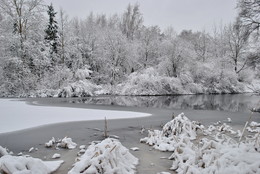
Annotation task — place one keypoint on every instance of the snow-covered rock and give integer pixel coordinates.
(50, 143)
(108, 156)
(27, 165)
(67, 143)
(55, 156)
(134, 148)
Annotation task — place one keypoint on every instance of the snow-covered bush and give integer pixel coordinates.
(149, 82)
(18, 79)
(82, 88)
(175, 130)
(108, 156)
(56, 78)
(83, 73)
(3, 151)
(217, 153)
(220, 157)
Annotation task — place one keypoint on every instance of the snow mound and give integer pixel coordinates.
(25, 165)
(108, 156)
(172, 132)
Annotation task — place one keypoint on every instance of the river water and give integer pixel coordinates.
(225, 102)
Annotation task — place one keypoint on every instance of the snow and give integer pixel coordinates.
(3, 151)
(108, 156)
(178, 128)
(50, 143)
(134, 148)
(82, 147)
(55, 156)
(217, 153)
(28, 116)
(67, 143)
(31, 149)
(24, 165)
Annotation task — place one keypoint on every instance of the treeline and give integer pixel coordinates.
(44, 51)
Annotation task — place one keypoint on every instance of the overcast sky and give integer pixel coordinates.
(196, 15)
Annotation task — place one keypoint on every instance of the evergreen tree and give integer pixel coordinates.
(52, 30)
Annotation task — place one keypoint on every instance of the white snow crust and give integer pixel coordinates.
(27, 116)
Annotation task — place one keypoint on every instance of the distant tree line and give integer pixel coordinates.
(42, 53)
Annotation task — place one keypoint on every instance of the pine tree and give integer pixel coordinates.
(52, 30)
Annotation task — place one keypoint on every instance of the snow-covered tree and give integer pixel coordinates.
(149, 43)
(249, 11)
(22, 13)
(132, 21)
(52, 30)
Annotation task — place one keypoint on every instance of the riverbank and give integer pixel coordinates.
(128, 130)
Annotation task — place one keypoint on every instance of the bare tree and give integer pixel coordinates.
(237, 40)
(250, 14)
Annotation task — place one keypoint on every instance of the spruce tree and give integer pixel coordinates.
(52, 30)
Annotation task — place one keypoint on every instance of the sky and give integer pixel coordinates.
(195, 15)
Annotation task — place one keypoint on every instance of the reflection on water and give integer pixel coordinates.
(226, 102)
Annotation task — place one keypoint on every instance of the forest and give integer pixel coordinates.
(45, 53)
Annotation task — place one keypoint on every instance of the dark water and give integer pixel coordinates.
(225, 102)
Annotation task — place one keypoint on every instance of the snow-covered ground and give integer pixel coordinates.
(17, 115)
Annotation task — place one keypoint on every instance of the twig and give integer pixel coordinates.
(105, 130)
(113, 148)
(245, 127)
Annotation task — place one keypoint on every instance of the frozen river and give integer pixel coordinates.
(18, 115)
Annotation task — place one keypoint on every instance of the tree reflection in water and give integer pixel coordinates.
(225, 102)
